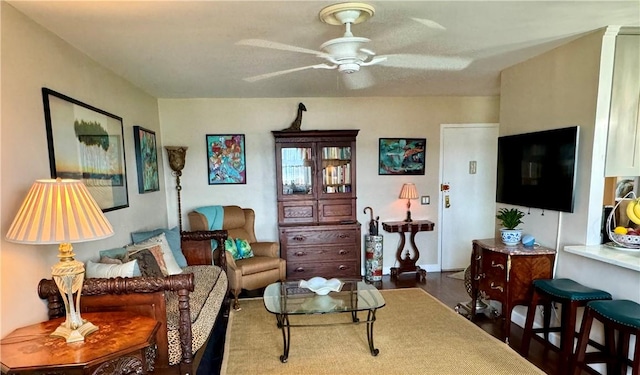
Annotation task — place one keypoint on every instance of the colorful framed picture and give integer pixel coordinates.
(226, 159)
(401, 156)
(146, 159)
(87, 144)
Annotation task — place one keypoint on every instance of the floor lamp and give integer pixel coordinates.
(62, 212)
(177, 155)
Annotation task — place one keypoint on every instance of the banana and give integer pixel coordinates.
(636, 208)
(631, 208)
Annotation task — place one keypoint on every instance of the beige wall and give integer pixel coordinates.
(185, 122)
(557, 89)
(33, 58)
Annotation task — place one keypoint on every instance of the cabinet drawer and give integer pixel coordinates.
(320, 253)
(297, 212)
(336, 210)
(307, 270)
(312, 237)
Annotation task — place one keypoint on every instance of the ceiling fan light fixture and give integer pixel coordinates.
(340, 14)
(348, 68)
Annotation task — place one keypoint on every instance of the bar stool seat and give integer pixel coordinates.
(617, 315)
(570, 295)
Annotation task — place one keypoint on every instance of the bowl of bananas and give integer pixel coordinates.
(623, 234)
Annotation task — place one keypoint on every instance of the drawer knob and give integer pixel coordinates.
(497, 265)
(342, 267)
(498, 287)
(299, 238)
(342, 235)
(299, 269)
(300, 253)
(479, 276)
(342, 252)
(478, 257)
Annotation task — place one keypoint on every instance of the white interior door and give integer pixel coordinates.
(468, 167)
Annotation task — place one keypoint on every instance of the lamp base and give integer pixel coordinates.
(74, 335)
(408, 219)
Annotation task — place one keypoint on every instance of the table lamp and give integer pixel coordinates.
(177, 157)
(61, 212)
(408, 192)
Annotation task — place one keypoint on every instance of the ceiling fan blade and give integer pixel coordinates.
(275, 45)
(426, 62)
(429, 23)
(358, 80)
(281, 72)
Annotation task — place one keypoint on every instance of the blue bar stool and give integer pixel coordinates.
(570, 295)
(617, 315)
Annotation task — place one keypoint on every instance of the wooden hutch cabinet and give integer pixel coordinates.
(316, 183)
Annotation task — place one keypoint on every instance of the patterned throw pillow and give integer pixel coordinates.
(170, 263)
(239, 248)
(244, 249)
(230, 246)
(147, 262)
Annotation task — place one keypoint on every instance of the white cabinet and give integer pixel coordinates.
(623, 140)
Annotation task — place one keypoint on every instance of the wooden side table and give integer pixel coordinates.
(123, 344)
(505, 274)
(408, 263)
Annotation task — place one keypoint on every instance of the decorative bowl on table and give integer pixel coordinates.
(321, 286)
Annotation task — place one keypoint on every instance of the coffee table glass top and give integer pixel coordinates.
(289, 298)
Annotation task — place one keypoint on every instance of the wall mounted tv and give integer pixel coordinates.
(538, 169)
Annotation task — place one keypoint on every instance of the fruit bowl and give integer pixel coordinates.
(628, 241)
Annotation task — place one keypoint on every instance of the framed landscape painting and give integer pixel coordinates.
(226, 159)
(401, 156)
(87, 144)
(146, 159)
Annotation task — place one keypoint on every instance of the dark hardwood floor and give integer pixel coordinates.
(449, 291)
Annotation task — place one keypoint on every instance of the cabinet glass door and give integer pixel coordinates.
(297, 171)
(336, 169)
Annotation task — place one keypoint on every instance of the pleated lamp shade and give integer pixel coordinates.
(408, 191)
(59, 211)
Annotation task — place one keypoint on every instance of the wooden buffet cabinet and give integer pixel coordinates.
(316, 183)
(505, 273)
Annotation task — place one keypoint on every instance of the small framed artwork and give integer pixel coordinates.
(146, 159)
(87, 144)
(401, 156)
(226, 159)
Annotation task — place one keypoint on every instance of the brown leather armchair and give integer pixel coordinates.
(264, 268)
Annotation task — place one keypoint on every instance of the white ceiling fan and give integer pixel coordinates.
(347, 54)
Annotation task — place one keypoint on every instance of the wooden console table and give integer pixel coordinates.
(123, 344)
(505, 274)
(408, 263)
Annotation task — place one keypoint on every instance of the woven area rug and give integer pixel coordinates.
(415, 333)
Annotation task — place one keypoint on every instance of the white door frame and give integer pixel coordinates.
(440, 178)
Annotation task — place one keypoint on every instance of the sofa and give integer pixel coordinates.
(187, 304)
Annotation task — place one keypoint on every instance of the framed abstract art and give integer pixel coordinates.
(226, 159)
(146, 159)
(401, 156)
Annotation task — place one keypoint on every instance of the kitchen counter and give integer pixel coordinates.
(623, 258)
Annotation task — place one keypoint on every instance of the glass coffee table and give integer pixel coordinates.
(287, 298)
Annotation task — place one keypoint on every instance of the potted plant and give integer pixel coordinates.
(510, 218)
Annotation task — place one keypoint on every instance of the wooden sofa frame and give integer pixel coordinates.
(146, 295)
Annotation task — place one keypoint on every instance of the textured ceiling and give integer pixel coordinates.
(188, 49)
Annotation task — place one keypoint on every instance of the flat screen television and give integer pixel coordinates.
(538, 169)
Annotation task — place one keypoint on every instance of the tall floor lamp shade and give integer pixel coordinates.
(62, 212)
(408, 192)
(177, 157)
